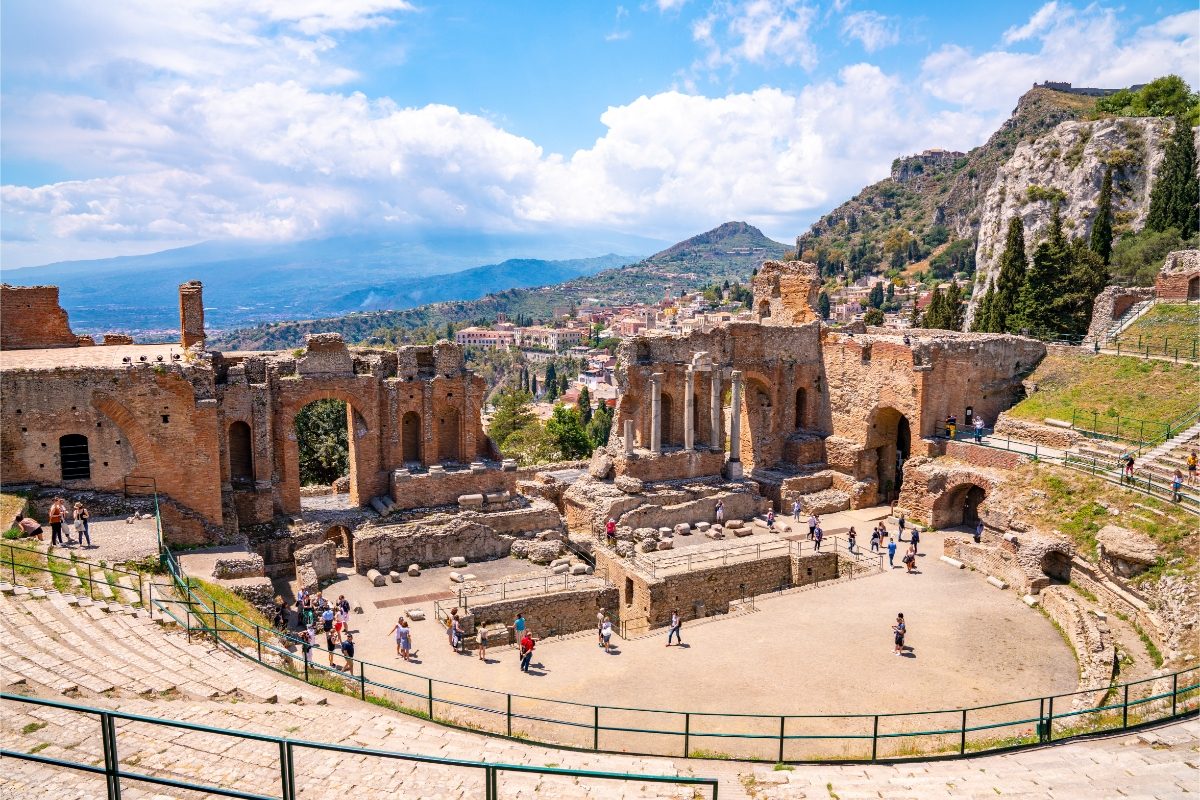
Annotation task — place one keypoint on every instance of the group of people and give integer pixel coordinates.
(75, 520)
(313, 612)
(978, 426)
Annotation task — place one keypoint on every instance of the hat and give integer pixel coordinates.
(78, 504)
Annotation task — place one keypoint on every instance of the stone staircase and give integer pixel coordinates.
(1132, 315)
(61, 644)
(1158, 464)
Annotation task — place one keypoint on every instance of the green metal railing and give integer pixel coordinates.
(1177, 349)
(669, 732)
(10, 564)
(290, 780)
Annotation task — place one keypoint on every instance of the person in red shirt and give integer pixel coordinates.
(526, 651)
(610, 528)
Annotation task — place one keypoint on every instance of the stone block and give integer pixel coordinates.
(416, 614)
(702, 526)
(665, 531)
(549, 536)
(994, 581)
(733, 524)
(628, 484)
(508, 465)
(559, 562)
(469, 577)
(497, 497)
(458, 561)
(1030, 600)
(665, 544)
(683, 529)
(581, 569)
(456, 577)
(394, 576)
(743, 532)
(561, 569)
(473, 501)
(376, 577)
(414, 570)
(954, 562)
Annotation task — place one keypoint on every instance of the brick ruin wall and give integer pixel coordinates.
(1110, 305)
(1179, 278)
(31, 318)
(552, 614)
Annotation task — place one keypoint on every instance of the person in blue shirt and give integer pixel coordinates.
(891, 552)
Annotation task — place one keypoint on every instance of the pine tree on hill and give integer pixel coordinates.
(1009, 280)
(1176, 192)
(1040, 300)
(935, 312)
(875, 298)
(1088, 277)
(983, 312)
(953, 308)
(533, 387)
(1102, 229)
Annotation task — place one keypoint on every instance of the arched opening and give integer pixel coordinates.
(756, 411)
(323, 441)
(666, 416)
(241, 454)
(1057, 566)
(959, 506)
(1193, 288)
(801, 408)
(73, 457)
(410, 439)
(448, 436)
(345, 541)
(764, 309)
(891, 438)
(970, 513)
(629, 591)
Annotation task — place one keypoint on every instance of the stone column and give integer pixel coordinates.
(733, 469)
(656, 412)
(628, 437)
(714, 411)
(689, 410)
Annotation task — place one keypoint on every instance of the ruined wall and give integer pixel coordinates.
(935, 491)
(1110, 305)
(550, 614)
(30, 318)
(191, 314)
(1180, 271)
(432, 541)
(785, 292)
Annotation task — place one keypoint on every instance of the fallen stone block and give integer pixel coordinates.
(665, 531)
(458, 561)
(994, 581)
(497, 497)
(1010, 537)
(683, 529)
(665, 544)
(561, 569)
(1030, 600)
(628, 484)
(470, 501)
(549, 536)
(469, 577)
(559, 562)
(414, 570)
(739, 532)
(394, 576)
(581, 569)
(456, 577)
(376, 577)
(417, 614)
(733, 524)
(954, 562)
(702, 526)
(379, 506)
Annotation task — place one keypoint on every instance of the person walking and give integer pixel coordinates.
(812, 524)
(891, 553)
(818, 535)
(600, 628)
(795, 510)
(306, 643)
(526, 651)
(348, 652)
(606, 633)
(915, 539)
(518, 629)
(403, 636)
(1191, 468)
(978, 430)
(851, 539)
(58, 513)
(676, 627)
(28, 525)
(898, 632)
(719, 511)
(1128, 478)
(610, 529)
(910, 559)
(330, 645)
(875, 540)
(771, 519)
(900, 523)
(327, 621)
(455, 631)
(482, 636)
(81, 515)
(1176, 486)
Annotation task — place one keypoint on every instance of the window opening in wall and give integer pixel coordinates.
(629, 591)
(241, 455)
(73, 456)
(166, 418)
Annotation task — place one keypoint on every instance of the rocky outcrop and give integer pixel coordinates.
(1068, 165)
(1126, 552)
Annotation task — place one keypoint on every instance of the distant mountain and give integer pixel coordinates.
(247, 283)
(728, 252)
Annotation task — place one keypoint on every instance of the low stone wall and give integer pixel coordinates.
(1037, 433)
(431, 541)
(315, 564)
(539, 516)
(260, 594)
(738, 505)
(1089, 636)
(552, 614)
(243, 565)
(671, 465)
(984, 456)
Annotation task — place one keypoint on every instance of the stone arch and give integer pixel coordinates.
(410, 437)
(241, 452)
(1056, 565)
(959, 505)
(362, 456)
(757, 421)
(764, 309)
(1193, 290)
(73, 458)
(890, 436)
(449, 435)
(344, 538)
(669, 428)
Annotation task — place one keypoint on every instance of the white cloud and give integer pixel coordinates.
(758, 31)
(618, 33)
(1086, 47)
(872, 29)
(1040, 21)
(670, 5)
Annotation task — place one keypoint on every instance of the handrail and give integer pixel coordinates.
(91, 581)
(115, 771)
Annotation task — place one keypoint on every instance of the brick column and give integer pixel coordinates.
(733, 468)
(656, 412)
(689, 410)
(714, 410)
(191, 314)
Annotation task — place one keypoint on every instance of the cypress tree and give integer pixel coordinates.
(983, 313)
(551, 382)
(1102, 231)
(1010, 279)
(533, 384)
(1173, 200)
(1041, 295)
(954, 307)
(823, 304)
(585, 405)
(935, 312)
(1089, 276)
(875, 298)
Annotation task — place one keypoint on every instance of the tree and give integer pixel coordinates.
(530, 445)
(874, 316)
(585, 405)
(875, 298)
(953, 308)
(914, 315)
(600, 426)
(565, 430)
(1102, 230)
(1088, 277)
(935, 312)
(563, 383)
(891, 291)
(823, 304)
(1009, 280)
(323, 442)
(551, 383)
(1168, 96)
(1041, 293)
(982, 323)
(513, 413)
(533, 389)
(1173, 200)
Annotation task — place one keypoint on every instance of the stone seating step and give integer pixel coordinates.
(126, 590)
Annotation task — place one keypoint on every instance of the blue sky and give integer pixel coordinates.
(138, 125)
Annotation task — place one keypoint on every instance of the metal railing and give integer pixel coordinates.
(515, 587)
(1177, 349)
(735, 553)
(287, 753)
(8, 559)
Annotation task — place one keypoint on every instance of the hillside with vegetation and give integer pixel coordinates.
(727, 253)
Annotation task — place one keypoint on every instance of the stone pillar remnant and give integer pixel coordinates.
(714, 411)
(689, 410)
(733, 469)
(656, 412)
(628, 437)
(191, 314)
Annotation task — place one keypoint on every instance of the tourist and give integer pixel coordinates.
(606, 633)
(58, 512)
(978, 530)
(898, 631)
(327, 621)
(952, 426)
(795, 510)
(306, 643)
(454, 631)
(851, 539)
(526, 650)
(818, 535)
(348, 652)
(81, 515)
(812, 524)
(518, 628)
(599, 628)
(1191, 468)
(915, 539)
(1176, 485)
(279, 620)
(403, 636)
(900, 523)
(481, 637)
(610, 528)
(330, 645)
(719, 511)
(28, 525)
(978, 430)
(676, 627)
(1129, 468)
(910, 559)
(891, 553)
(771, 519)
(875, 540)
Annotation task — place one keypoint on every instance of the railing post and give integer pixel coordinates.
(430, 680)
(687, 733)
(1050, 721)
(875, 739)
(306, 657)
(782, 724)
(216, 626)
(595, 727)
(962, 739)
(258, 639)
(489, 783)
(508, 716)
(112, 765)
(91, 586)
(287, 781)
(1174, 693)
(1125, 709)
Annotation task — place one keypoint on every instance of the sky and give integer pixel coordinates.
(137, 125)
